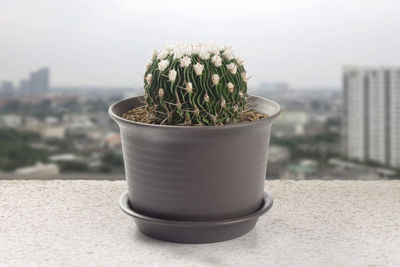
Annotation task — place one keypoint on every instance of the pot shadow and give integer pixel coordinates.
(208, 254)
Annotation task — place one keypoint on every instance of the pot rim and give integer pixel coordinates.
(270, 118)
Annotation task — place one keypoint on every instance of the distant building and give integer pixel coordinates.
(371, 121)
(24, 86)
(299, 123)
(53, 131)
(7, 89)
(57, 131)
(51, 120)
(39, 82)
(10, 121)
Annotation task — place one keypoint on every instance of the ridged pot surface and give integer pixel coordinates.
(195, 172)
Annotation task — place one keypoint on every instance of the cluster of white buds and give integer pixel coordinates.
(195, 78)
(204, 54)
(185, 61)
(183, 52)
(203, 50)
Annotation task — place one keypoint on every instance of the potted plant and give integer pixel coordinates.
(195, 146)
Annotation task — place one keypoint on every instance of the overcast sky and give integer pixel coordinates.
(107, 43)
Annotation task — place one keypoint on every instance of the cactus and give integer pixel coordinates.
(195, 84)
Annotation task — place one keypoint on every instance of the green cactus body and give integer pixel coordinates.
(197, 85)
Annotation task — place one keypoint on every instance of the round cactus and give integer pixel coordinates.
(195, 84)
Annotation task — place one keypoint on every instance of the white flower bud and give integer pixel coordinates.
(206, 98)
(241, 94)
(198, 69)
(149, 65)
(215, 79)
(235, 108)
(239, 60)
(223, 103)
(185, 61)
(232, 68)
(216, 60)
(179, 53)
(172, 75)
(195, 49)
(189, 87)
(213, 48)
(161, 93)
(169, 48)
(162, 55)
(163, 64)
(204, 54)
(149, 77)
(228, 54)
(230, 87)
(155, 54)
(244, 78)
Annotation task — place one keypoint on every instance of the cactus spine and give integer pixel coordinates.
(195, 84)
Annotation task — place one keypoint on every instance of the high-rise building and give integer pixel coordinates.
(39, 81)
(24, 86)
(7, 89)
(371, 121)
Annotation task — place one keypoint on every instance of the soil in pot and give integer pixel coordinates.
(140, 114)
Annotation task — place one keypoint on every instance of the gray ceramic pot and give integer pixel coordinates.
(194, 173)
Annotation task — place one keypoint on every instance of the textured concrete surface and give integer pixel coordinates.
(312, 223)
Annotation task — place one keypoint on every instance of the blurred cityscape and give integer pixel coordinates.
(59, 132)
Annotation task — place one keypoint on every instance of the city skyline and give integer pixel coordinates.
(38, 82)
(301, 43)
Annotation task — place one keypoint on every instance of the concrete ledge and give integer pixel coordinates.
(312, 223)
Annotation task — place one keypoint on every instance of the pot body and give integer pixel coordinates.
(193, 172)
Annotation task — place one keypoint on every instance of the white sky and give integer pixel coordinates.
(107, 43)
